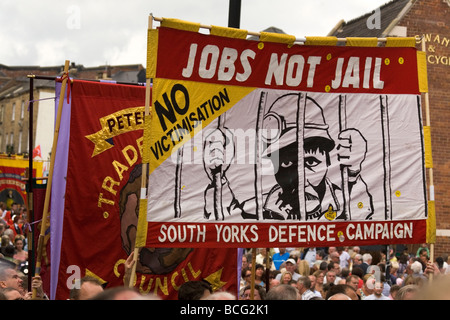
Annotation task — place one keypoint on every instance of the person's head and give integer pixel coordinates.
(334, 256)
(423, 255)
(312, 279)
(353, 281)
(303, 284)
(290, 265)
(393, 291)
(9, 251)
(86, 288)
(244, 261)
(357, 271)
(246, 274)
(117, 293)
(416, 267)
(339, 296)
(194, 290)
(10, 234)
(286, 277)
(378, 289)
(221, 295)
(282, 292)
(357, 259)
(367, 258)
(341, 289)
(259, 293)
(9, 278)
(18, 243)
(334, 266)
(408, 292)
(320, 254)
(330, 276)
(319, 274)
(259, 271)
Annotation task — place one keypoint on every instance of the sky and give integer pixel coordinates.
(114, 32)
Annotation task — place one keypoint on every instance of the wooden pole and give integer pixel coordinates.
(252, 282)
(268, 265)
(45, 213)
(430, 170)
(144, 166)
(30, 237)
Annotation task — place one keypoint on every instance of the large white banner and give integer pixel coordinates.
(265, 165)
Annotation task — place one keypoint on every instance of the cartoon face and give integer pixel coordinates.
(285, 162)
(316, 167)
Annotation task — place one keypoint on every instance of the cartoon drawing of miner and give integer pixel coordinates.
(323, 200)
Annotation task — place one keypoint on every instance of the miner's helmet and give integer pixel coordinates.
(280, 124)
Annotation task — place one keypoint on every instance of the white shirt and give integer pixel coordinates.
(343, 259)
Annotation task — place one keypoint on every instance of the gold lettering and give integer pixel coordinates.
(172, 281)
(183, 273)
(141, 286)
(437, 39)
(120, 168)
(159, 285)
(109, 183)
(445, 41)
(195, 274)
(103, 200)
(116, 267)
(126, 154)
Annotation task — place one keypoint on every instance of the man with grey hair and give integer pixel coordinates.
(282, 292)
(303, 286)
(10, 278)
(367, 261)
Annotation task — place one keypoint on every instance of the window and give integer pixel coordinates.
(22, 109)
(13, 111)
(19, 147)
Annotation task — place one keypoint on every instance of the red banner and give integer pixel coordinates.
(266, 235)
(195, 57)
(12, 185)
(102, 200)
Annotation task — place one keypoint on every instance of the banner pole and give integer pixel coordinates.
(252, 283)
(45, 213)
(144, 169)
(268, 265)
(430, 170)
(31, 232)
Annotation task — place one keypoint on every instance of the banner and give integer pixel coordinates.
(12, 185)
(95, 197)
(263, 144)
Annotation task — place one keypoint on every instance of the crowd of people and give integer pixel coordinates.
(345, 273)
(328, 273)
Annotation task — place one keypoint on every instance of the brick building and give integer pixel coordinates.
(429, 19)
(15, 94)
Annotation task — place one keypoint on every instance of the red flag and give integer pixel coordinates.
(37, 152)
